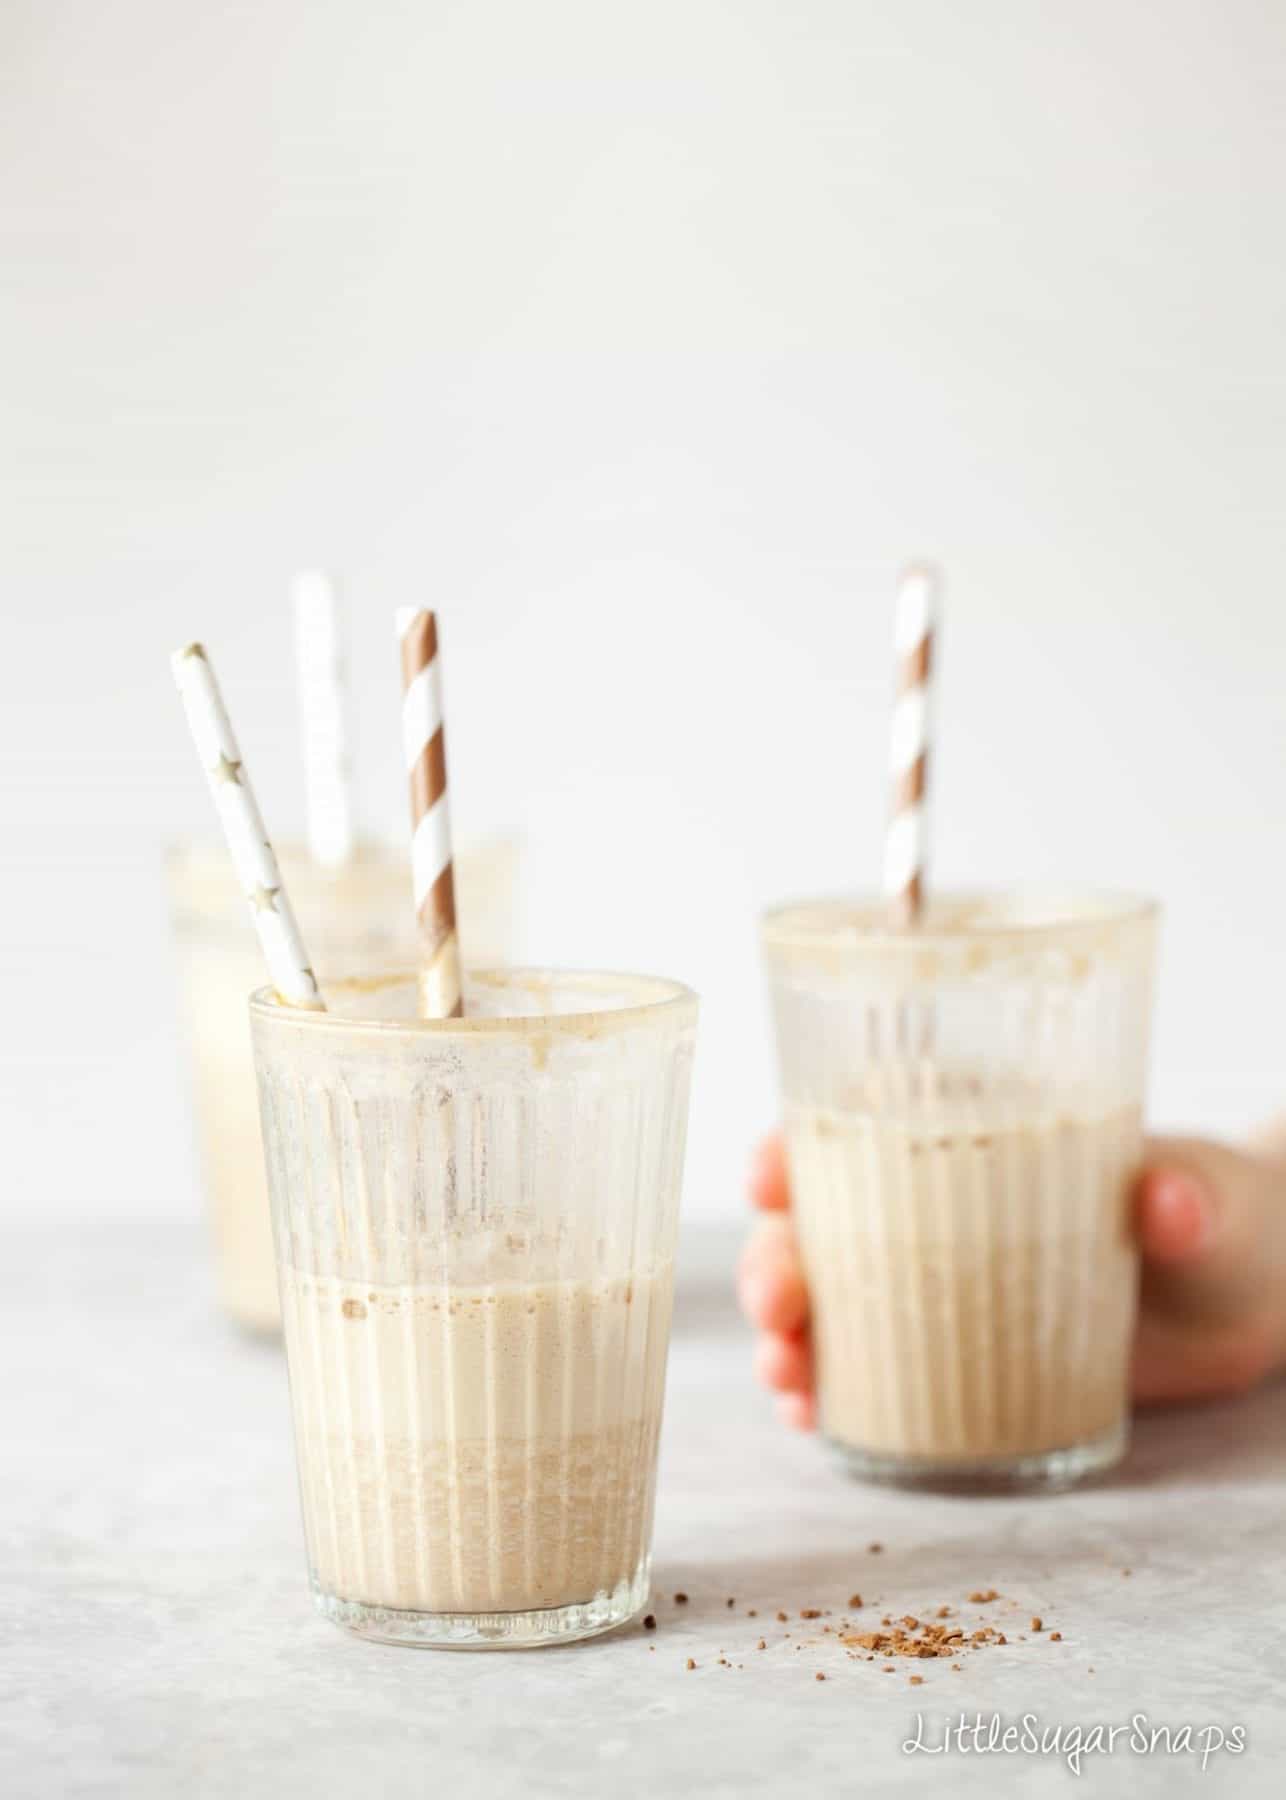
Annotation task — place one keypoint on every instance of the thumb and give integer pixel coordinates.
(1209, 1220)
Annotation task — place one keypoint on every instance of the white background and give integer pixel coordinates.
(645, 342)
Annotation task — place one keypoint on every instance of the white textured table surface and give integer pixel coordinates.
(158, 1638)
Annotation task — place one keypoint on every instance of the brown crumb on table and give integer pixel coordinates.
(782, 1617)
(888, 1669)
(649, 1624)
(917, 1681)
(1055, 1637)
(956, 1667)
(689, 1664)
(819, 1676)
(983, 1596)
(943, 1612)
(810, 1612)
(911, 1623)
(731, 1601)
(1127, 1571)
(680, 1599)
(874, 1549)
(855, 1600)
(751, 1613)
(1036, 1624)
(761, 1645)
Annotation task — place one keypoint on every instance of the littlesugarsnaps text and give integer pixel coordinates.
(991, 1734)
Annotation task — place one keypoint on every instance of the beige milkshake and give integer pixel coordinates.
(962, 1098)
(475, 1221)
(482, 1448)
(973, 1275)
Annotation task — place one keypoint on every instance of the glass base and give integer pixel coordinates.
(1043, 1471)
(490, 1630)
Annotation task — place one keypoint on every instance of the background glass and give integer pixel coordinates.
(962, 1108)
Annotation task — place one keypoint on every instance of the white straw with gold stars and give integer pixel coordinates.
(252, 854)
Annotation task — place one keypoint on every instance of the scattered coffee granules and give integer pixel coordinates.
(922, 1640)
(649, 1624)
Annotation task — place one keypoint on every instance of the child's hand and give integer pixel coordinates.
(1211, 1224)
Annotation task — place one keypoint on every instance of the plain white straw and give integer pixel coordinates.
(270, 910)
(323, 719)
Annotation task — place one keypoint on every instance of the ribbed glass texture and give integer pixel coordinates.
(358, 917)
(962, 1109)
(475, 1224)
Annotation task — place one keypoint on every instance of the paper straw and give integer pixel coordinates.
(906, 841)
(323, 720)
(270, 909)
(432, 874)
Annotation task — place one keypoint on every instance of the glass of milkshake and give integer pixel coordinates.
(962, 1110)
(355, 916)
(475, 1224)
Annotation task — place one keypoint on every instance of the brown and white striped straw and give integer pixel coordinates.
(906, 840)
(271, 913)
(432, 874)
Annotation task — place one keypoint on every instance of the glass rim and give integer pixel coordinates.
(659, 998)
(860, 920)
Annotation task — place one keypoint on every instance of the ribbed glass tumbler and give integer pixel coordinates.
(475, 1223)
(963, 1106)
